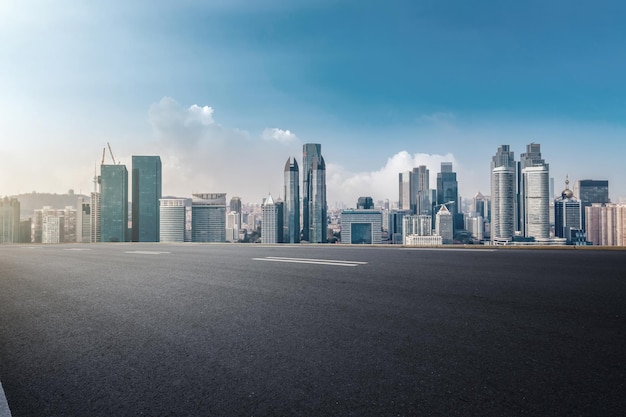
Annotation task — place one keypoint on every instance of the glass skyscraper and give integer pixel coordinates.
(448, 192)
(291, 206)
(146, 194)
(314, 217)
(503, 194)
(208, 217)
(113, 203)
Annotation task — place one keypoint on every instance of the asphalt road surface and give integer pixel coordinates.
(251, 330)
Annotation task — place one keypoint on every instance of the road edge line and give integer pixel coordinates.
(4, 405)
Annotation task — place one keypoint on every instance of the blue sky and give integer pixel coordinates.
(381, 85)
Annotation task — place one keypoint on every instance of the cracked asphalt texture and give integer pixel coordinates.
(206, 330)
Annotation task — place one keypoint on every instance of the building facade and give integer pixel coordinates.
(314, 206)
(172, 219)
(567, 213)
(361, 226)
(208, 217)
(147, 189)
(291, 216)
(272, 221)
(9, 220)
(113, 203)
(536, 204)
(444, 226)
(503, 195)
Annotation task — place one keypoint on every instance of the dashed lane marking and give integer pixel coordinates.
(332, 262)
(146, 252)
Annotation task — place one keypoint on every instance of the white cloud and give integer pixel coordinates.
(279, 135)
(345, 186)
(201, 115)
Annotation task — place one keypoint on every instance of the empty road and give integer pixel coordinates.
(252, 330)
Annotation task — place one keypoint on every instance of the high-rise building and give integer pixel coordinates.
(416, 225)
(113, 203)
(602, 228)
(9, 220)
(146, 194)
(361, 226)
(291, 216)
(567, 213)
(420, 191)
(621, 225)
(83, 221)
(94, 215)
(536, 203)
(314, 217)
(528, 159)
(208, 217)
(172, 219)
(503, 195)
(444, 225)
(404, 190)
(394, 224)
(448, 193)
(272, 221)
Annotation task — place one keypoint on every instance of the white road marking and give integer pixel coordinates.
(310, 261)
(77, 249)
(4, 406)
(146, 252)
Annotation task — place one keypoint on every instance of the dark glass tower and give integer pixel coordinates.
(448, 192)
(291, 205)
(113, 203)
(146, 194)
(591, 191)
(313, 194)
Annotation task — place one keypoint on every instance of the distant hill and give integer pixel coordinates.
(33, 201)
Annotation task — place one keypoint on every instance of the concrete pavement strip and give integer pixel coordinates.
(4, 406)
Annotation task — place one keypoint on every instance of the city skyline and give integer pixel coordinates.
(212, 86)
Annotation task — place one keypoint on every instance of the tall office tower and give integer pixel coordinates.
(567, 213)
(9, 220)
(531, 158)
(621, 225)
(314, 207)
(291, 216)
(172, 219)
(70, 224)
(552, 195)
(272, 221)
(394, 224)
(601, 224)
(83, 221)
(365, 203)
(113, 203)
(591, 191)
(361, 226)
(420, 194)
(536, 203)
(208, 217)
(404, 190)
(235, 206)
(94, 215)
(448, 193)
(444, 225)
(503, 195)
(146, 194)
(480, 205)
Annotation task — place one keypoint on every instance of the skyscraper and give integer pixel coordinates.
(314, 194)
(503, 195)
(172, 219)
(113, 203)
(208, 217)
(420, 195)
(404, 190)
(536, 203)
(365, 203)
(9, 220)
(448, 191)
(444, 225)
(272, 221)
(291, 205)
(530, 158)
(146, 194)
(83, 221)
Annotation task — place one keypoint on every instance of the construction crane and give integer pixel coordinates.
(111, 152)
(103, 154)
